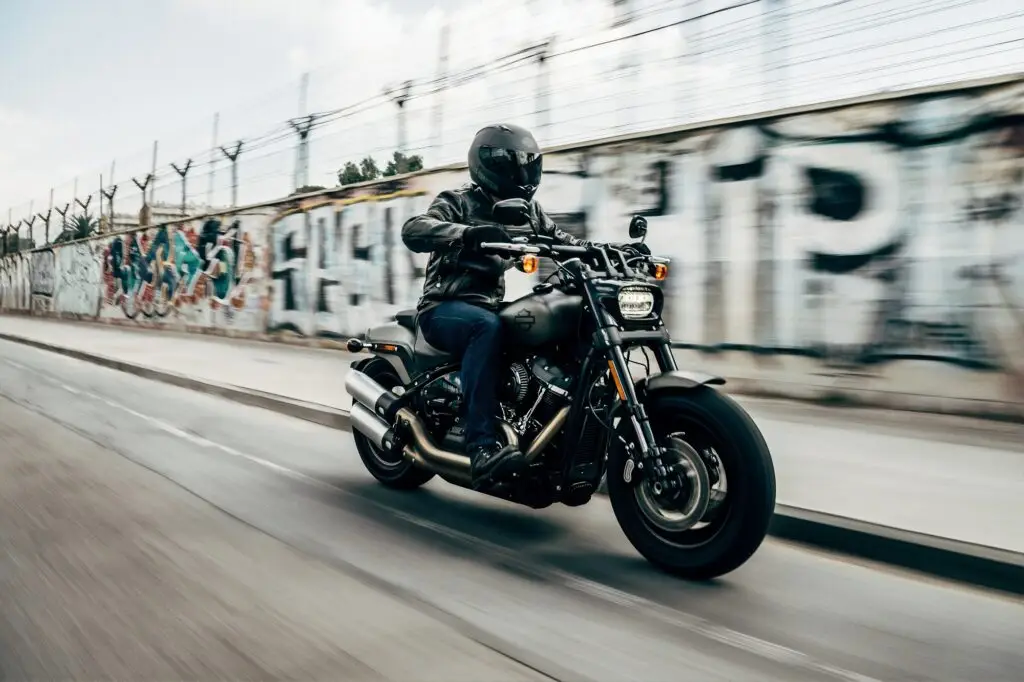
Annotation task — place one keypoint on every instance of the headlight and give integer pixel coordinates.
(635, 303)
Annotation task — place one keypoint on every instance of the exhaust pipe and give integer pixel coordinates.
(370, 414)
(372, 395)
(371, 426)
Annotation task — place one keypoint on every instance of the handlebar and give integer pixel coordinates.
(538, 249)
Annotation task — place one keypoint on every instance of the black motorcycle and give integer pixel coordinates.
(689, 475)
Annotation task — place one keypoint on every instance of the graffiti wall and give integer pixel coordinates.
(339, 265)
(875, 248)
(209, 273)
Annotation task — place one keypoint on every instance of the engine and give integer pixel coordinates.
(530, 395)
(534, 392)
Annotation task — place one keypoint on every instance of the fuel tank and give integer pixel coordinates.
(541, 318)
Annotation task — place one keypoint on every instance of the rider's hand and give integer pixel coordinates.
(475, 235)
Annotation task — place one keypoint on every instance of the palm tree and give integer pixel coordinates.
(78, 227)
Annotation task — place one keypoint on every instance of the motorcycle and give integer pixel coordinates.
(689, 476)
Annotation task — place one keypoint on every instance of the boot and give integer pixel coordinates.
(491, 463)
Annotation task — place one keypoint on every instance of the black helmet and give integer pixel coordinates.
(505, 161)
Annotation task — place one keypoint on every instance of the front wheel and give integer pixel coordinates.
(393, 470)
(711, 515)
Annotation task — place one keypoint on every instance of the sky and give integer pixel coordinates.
(84, 83)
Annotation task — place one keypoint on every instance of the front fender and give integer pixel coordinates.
(678, 379)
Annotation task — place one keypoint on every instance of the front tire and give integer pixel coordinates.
(717, 431)
(393, 470)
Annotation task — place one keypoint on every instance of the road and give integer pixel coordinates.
(268, 585)
(951, 477)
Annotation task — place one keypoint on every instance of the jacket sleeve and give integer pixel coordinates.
(439, 229)
(548, 227)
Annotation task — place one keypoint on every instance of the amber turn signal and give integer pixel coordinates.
(660, 271)
(529, 264)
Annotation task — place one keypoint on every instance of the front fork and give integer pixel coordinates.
(648, 462)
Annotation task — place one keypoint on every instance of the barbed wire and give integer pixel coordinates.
(591, 87)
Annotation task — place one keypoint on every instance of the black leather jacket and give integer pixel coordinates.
(458, 274)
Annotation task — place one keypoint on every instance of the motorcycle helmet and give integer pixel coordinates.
(506, 162)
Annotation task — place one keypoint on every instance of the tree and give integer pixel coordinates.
(366, 170)
(78, 227)
(400, 164)
(306, 189)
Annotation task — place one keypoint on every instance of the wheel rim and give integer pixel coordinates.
(712, 453)
(677, 509)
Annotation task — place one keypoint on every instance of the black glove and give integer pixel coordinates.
(475, 235)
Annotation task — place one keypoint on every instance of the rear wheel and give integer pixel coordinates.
(711, 517)
(391, 469)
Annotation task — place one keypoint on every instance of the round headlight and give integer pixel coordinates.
(635, 303)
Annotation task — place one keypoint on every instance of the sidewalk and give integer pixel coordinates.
(951, 477)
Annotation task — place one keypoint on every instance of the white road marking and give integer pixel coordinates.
(688, 622)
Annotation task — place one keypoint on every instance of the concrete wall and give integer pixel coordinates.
(873, 252)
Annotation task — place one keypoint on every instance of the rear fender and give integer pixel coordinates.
(402, 341)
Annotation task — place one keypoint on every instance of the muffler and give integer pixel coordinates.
(371, 426)
(372, 395)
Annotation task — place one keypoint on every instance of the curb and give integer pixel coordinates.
(320, 414)
(962, 562)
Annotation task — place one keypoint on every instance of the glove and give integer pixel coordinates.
(475, 235)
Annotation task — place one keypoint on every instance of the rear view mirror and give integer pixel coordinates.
(514, 212)
(638, 227)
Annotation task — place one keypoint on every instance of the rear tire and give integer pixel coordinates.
(736, 529)
(394, 471)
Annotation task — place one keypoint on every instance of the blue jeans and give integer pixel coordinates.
(472, 334)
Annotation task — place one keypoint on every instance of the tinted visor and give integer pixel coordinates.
(519, 168)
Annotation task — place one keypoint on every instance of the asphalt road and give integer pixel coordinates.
(559, 590)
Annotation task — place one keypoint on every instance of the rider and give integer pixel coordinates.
(457, 312)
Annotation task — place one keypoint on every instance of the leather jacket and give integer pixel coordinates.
(455, 273)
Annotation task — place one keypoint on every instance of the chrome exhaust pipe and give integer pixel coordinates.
(370, 416)
(371, 426)
(453, 466)
(369, 393)
(544, 436)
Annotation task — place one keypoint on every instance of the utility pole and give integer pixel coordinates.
(45, 217)
(773, 59)
(400, 96)
(442, 84)
(629, 64)
(152, 173)
(213, 160)
(688, 90)
(182, 173)
(302, 125)
(543, 88)
(233, 158)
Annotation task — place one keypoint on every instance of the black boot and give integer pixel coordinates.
(491, 463)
